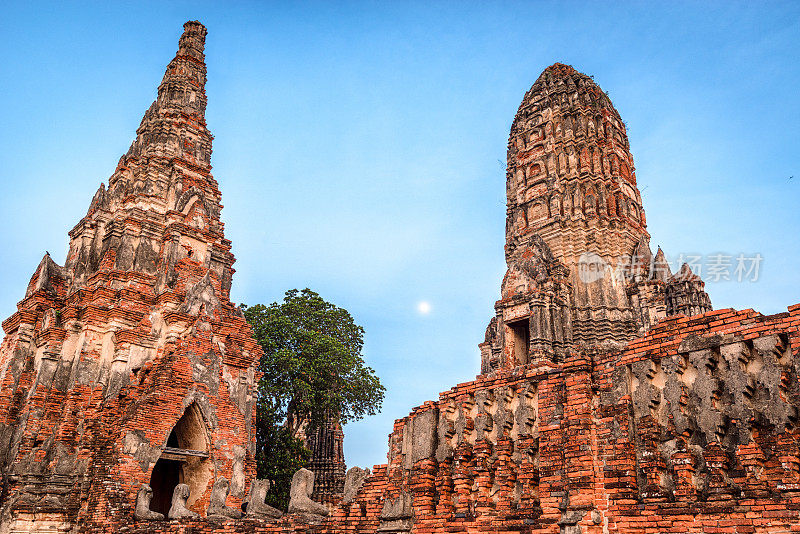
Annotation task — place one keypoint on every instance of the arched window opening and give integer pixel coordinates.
(185, 460)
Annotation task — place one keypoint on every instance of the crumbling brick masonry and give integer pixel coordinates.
(607, 402)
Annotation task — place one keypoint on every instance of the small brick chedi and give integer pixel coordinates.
(611, 399)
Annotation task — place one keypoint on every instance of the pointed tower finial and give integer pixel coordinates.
(193, 40)
(184, 81)
(661, 268)
(181, 100)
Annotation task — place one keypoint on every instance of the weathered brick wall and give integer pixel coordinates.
(575, 446)
(585, 445)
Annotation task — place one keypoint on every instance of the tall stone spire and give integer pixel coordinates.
(576, 231)
(571, 181)
(175, 123)
(162, 194)
(130, 365)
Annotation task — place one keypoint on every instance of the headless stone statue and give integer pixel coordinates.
(397, 514)
(300, 495)
(352, 483)
(142, 512)
(217, 507)
(256, 507)
(178, 510)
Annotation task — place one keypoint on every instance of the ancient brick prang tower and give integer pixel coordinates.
(326, 444)
(325, 441)
(580, 270)
(130, 364)
(611, 399)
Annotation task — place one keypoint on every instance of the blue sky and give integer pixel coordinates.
(360, 148)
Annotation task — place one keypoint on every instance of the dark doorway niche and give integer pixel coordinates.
(521, 339)
(185, 460)
(166, 475)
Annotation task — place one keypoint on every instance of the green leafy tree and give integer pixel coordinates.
(279, 454)
(312, 367)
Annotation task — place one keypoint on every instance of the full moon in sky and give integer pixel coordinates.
(424, 307)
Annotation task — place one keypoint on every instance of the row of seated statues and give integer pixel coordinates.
(300, 501)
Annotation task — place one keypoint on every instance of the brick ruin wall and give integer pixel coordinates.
(691, 428)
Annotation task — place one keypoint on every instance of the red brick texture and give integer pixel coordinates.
(566, 449)
(584, 455)
(131, 355)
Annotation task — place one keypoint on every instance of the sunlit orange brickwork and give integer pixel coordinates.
(603, 406)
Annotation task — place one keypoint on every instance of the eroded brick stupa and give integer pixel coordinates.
(611, 399)
(129, 364)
